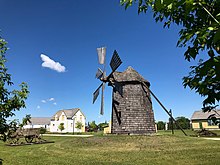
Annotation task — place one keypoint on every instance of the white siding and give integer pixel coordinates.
(38, 126)
(68, 123)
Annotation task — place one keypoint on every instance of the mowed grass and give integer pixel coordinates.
(115, 149)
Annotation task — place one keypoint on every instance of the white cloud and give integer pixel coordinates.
(49, 63)
(51, 99)
(38, 107)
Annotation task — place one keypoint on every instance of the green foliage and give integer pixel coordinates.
(215, 118)
(25, 120)
(43, 130)
(8, 129)
(161, 125)
(93, 126)
(200, 32)
(205, 79)
(79, 125)
(10, 101)
(61, 127)
(183, 122)
(101, 126)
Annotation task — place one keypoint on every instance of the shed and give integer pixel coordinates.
(202, 119)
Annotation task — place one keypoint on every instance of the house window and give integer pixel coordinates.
(53, 124)
(62, 118)
(80, 117)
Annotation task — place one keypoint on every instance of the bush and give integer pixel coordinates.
(43, 130)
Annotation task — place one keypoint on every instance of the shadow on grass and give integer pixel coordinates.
(192, 133)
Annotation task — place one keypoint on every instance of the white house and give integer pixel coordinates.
(69, 118)
(38, 122)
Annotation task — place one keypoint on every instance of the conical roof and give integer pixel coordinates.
(129, 75)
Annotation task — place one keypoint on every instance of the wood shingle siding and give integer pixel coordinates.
(131, 106)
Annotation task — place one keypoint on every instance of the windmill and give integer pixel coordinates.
(131, 104)
(132, 111)
(101, 74)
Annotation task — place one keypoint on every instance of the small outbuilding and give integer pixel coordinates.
(38, 122)
(202, 120)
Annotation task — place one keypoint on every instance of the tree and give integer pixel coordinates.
(79, 125)
(26, 120)
(43, 130)
(183, 122)
(101, 126)
(9, 129)
(61, 127)
(10, 100)
(93, 126)
(161, 125)
(215, 118)
(199, 21)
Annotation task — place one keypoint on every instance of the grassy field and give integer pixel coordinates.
(163, 148)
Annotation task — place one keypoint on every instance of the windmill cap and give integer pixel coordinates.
(129, 75)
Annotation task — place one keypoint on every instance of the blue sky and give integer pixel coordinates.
(66, 33)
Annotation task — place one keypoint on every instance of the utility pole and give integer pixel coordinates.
(171, 121)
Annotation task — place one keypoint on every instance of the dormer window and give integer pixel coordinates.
(56, 118)
(62, 117)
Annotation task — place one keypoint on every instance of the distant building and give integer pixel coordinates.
(201, 120)
(107, 130)
(38, 122)
(69, 118)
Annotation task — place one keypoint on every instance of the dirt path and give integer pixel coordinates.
(68, 135)
(212, 138)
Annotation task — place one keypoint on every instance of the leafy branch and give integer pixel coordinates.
(200, 33)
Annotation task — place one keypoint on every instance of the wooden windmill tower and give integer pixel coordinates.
(131, 103)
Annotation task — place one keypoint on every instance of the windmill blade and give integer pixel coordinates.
(99, 73)
(101, 54)
(115, 61)
(96, 94)
(102, 99)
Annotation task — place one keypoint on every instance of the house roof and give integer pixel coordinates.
(205, 115)
(129, 75)
(40, 120)
(68, 112)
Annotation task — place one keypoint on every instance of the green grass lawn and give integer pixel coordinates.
(162, 149)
